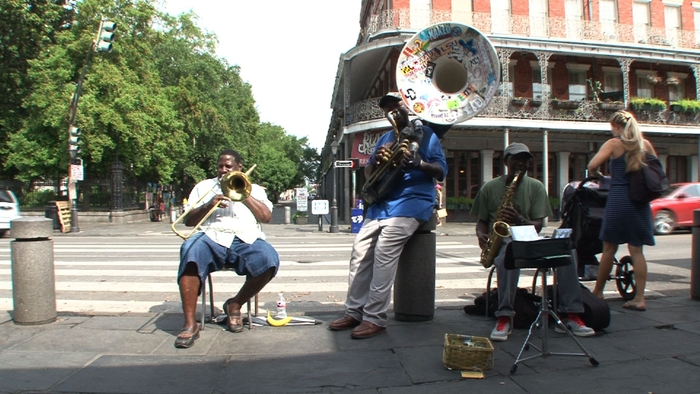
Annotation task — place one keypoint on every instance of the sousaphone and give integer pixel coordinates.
(448, 73)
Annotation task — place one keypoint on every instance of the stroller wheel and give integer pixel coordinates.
(624, 278)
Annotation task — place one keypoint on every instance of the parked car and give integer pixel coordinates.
(9, 210)
(675, 208)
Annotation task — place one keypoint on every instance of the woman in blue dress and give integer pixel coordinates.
(625, 221)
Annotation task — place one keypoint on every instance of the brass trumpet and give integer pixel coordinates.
(235, 185)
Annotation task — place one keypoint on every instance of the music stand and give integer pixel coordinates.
(543, 255)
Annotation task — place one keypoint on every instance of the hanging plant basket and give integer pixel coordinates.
(518, 101)
(653, 79)
(535, 103)
(673, 81)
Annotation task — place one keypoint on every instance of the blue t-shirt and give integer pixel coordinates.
(414, 195)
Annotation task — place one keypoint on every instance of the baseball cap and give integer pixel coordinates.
(516, 148)
(389, 98)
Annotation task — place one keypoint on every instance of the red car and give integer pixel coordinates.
(675, 208)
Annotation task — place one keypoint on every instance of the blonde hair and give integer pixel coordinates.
(632, 139)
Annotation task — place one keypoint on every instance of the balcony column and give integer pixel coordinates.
(486, 165)
(545, 166)
(506, 142)
(625, 67)
(563, 169)
(696, 72)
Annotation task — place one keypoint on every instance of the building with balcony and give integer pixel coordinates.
(566, 67)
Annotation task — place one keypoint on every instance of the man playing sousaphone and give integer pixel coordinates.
(391, 220)
(231, 235)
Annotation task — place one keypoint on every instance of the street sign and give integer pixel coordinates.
(302, 196)
(319, 207)
(76, 172)
(343, 164)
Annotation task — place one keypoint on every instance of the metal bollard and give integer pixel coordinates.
(695, 261)
(414, 286)
(287, 215)
(33, 278)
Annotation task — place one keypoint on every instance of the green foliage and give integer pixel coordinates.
(637, 103)
(554, 203)
(462, 203)
(37, 198)
(688, 105)
(161, 102)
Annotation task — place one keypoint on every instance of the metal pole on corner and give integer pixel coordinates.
(334, 204)
(695, 259)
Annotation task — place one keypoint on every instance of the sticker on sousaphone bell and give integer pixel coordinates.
(448, 73)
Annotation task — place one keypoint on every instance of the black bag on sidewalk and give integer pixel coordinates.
(526, 307)
(596, 313)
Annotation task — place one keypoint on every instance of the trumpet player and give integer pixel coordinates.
(232, 235)
(390, 222)
(530, 205)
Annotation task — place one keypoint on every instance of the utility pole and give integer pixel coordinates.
(103, 44)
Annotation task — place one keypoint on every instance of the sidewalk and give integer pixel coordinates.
(657, 351)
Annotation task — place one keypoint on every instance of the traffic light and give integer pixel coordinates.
(105, 36)
(355, 164)
(74, 143)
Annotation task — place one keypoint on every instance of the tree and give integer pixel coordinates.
(28, 26)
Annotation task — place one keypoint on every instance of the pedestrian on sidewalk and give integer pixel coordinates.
(390, 221)
(231, 236)
(625, 221)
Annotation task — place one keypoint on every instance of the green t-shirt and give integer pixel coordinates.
(530, 199)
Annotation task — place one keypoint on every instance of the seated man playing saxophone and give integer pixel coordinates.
(390, 221)
(231, 236)
(530, 205)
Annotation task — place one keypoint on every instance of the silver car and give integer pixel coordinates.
(9, 210)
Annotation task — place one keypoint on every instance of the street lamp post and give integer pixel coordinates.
(334, 203)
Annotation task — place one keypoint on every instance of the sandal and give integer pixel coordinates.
(186, 338)
(234, 321)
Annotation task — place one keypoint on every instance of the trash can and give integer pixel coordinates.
(51, 212)
(357, 218)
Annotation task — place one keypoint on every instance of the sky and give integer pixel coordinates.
(287, 50)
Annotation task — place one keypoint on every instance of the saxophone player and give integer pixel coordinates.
(530, 205)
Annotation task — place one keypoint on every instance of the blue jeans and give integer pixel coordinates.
(250, 260)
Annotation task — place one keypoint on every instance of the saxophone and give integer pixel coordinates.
(500, 228)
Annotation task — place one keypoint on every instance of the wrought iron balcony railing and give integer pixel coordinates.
(555, 110)
(537, 27)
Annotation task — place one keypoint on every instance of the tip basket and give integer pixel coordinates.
(466, 352)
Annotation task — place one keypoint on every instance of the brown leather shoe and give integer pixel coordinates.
(344, 323)
(367, 330)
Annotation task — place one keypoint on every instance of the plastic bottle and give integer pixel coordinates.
(281, 307)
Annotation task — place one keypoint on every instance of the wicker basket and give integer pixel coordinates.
(466, 352)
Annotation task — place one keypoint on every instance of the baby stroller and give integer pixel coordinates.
(582, 210)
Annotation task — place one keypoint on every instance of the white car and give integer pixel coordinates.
(9, 210)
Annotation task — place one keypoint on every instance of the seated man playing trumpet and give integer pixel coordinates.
(230, 234)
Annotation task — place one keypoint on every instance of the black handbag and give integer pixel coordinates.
(648, 183)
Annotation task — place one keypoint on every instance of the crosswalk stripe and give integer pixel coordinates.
(175, 262)
(176, 248)
(144, 273)
(274, 286)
